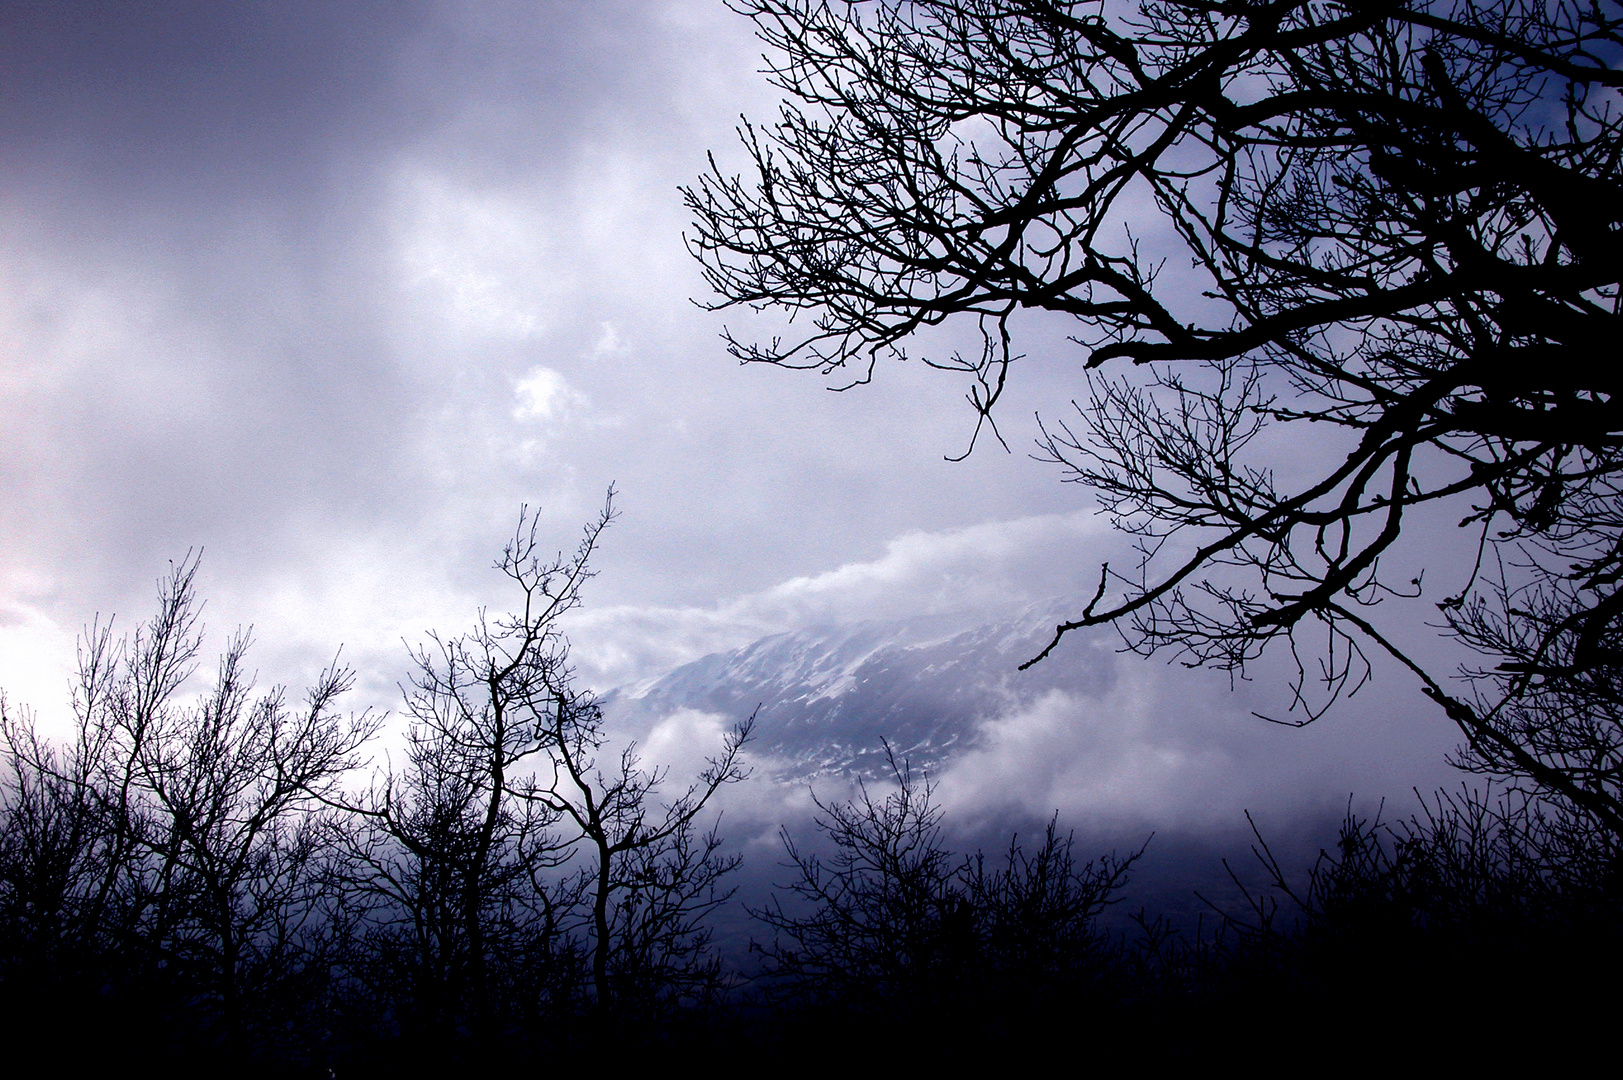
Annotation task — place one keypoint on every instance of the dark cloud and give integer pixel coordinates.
(330, 288)
(191, 100)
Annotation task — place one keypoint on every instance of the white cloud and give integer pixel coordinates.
(1118, 758)
(36, 667)
(993, 565)
(986, 569)
(684, 742)
(482, 257)
(608, 343)
(544, 394)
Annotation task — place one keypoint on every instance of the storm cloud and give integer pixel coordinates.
(329, 290)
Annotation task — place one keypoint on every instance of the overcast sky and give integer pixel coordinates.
(330, 289)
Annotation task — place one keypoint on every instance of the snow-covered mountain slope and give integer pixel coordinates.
(826, 700)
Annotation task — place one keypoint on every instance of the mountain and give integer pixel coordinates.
(827, 699)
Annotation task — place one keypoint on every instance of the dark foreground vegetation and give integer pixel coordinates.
(211, 879)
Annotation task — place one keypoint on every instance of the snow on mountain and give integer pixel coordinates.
(826, 699)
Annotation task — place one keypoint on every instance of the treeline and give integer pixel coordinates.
(212, 880)
(214, 876)
(1487, 927)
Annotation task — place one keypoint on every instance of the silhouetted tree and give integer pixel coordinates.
(50, 843)
(175, 844)
(1400, 223)
(201, 863)
(866, 927)
(467, 924)
(501, 846)
(1043, 955)
(649, 877)
(1480, 889)
(893, 926)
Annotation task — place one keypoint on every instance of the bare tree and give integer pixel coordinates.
(863, 926)
(466, 850)
(892, 923)
(649, 878)
(206, 856)
(50, 841)
(454, 930)
(1400, 223)
(1480, 888)
(177, 837)
(454, 850)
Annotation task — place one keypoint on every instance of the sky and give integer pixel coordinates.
(329, 290)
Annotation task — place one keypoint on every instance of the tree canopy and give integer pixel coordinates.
(1390, 229)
